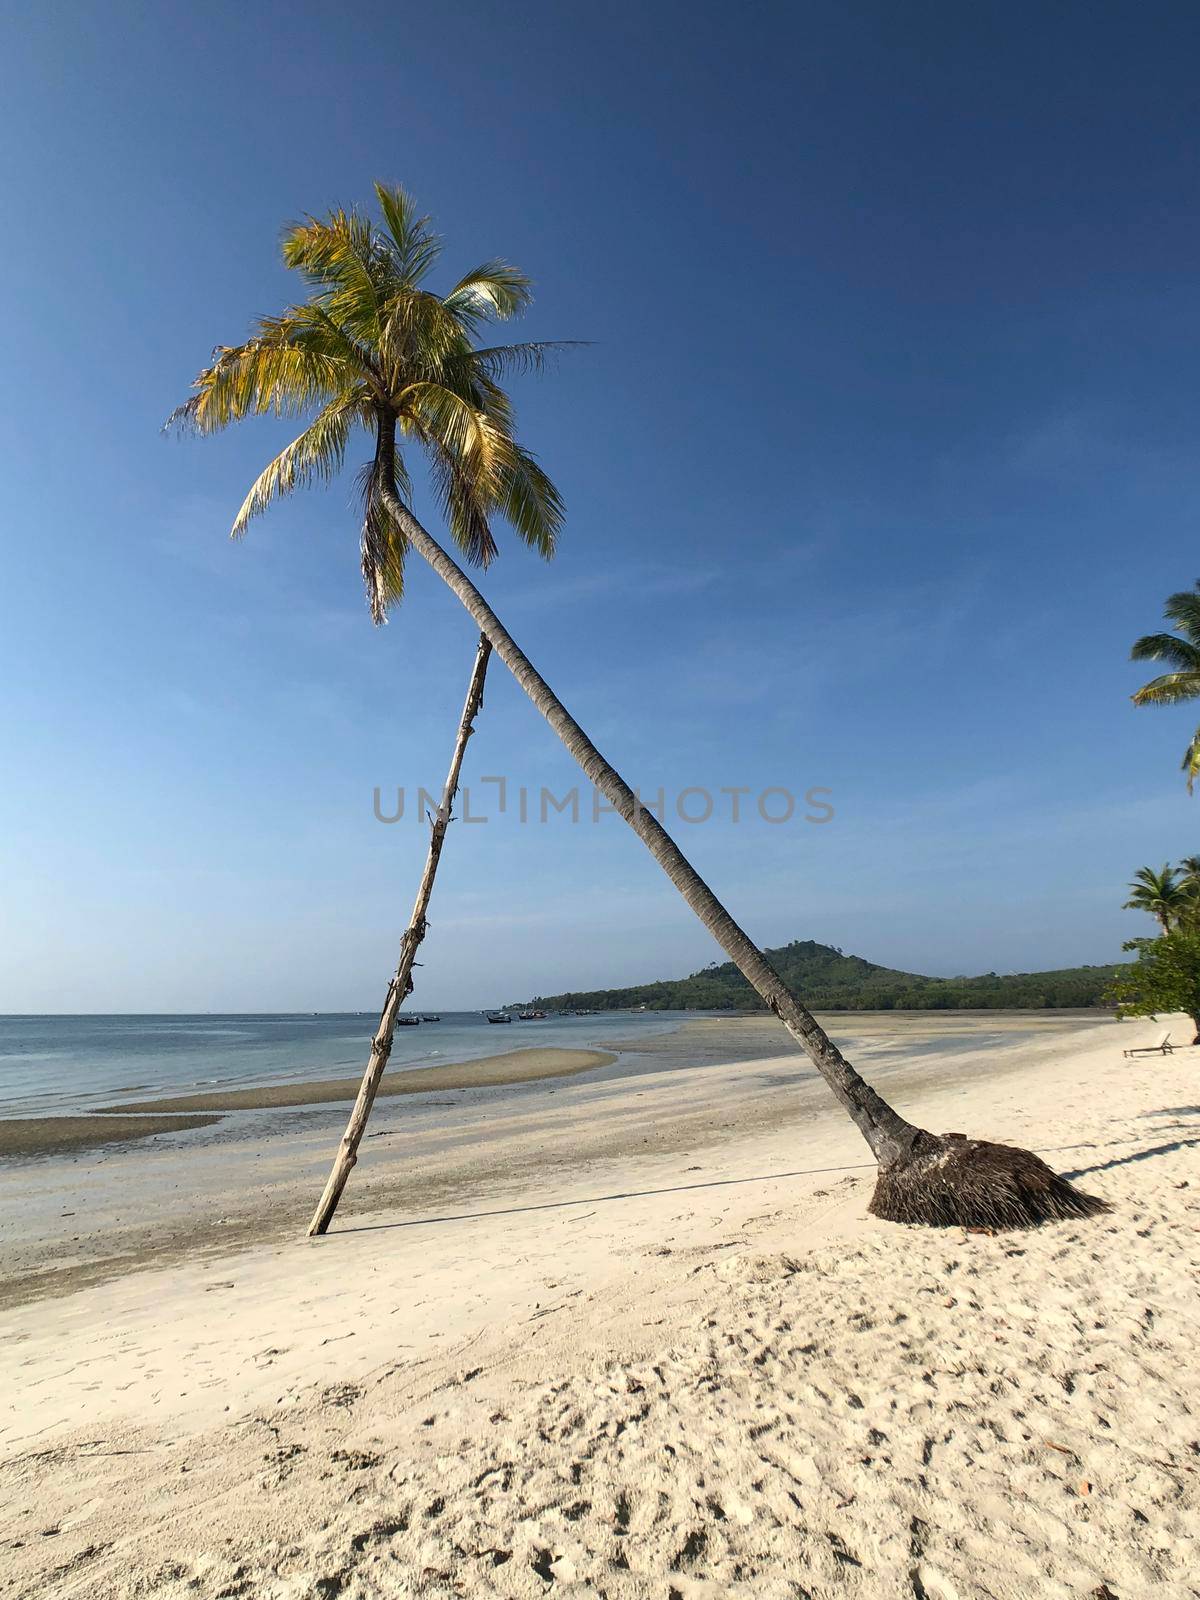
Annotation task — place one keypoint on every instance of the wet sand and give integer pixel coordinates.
(22, 1137)
(45, 1136)
(488, 1072)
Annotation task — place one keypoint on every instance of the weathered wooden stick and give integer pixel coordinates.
(401, 985)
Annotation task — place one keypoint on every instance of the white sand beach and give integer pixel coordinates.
(663, 1352)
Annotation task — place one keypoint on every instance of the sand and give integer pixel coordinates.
(136, 1208)
(513, 1066)
(41, 1136)
(688, 1372)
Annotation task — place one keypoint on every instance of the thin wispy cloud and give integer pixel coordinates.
(628, 582)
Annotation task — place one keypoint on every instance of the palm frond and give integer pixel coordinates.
(499, 360)
(1167, 647)
(269, 374)
(383, 545)
(383, 549)
(488, 397)
(1160, 894)
(1183, 609)
(467, 455)
(1158, 882)
(464, 508)
(345, 261)
(493, 291)
(420, 339)
(1170, 690)
(1191, 763)
(326, 250)
(317, 327)
(531, 504)
(414, 245)
(463, 430)
(318, 453)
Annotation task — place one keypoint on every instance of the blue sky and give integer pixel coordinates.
(883, 453)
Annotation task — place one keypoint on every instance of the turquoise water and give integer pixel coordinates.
(67, 1064)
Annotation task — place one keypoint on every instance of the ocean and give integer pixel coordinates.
(55, 1065)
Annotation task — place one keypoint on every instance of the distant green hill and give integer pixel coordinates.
(827, 980)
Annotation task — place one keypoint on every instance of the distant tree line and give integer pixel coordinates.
(832, 981)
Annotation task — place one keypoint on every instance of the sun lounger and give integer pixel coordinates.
(1164, 1047)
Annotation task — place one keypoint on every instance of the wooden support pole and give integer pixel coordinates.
(401, 985)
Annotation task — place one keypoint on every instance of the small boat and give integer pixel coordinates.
(497, 1016)
(424, 1018)
(531, 1016)
(408, 1022)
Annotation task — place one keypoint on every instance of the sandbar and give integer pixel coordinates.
(45, 1136)
(514, 1066)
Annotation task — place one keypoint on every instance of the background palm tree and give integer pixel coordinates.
(1182, 650)
(1162, 895)
(373, 347)
(1189, 877)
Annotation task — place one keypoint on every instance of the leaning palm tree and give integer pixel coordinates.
(1182, 650)
(1163, 894)
(372, 347)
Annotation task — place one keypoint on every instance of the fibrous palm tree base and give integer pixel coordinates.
(951, 1180)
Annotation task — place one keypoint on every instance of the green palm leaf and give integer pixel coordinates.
(1191, 761)
(1167, 647)
(268, 374)
(1183, 609)
(414, 245)
(532, 504)
(1169, 690)
(494, 289)
(1181, 650)
(528, 357)
(318, 453)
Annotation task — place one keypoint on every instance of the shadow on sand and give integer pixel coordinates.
(723, 1183)
(600, 1199)
(1146, 1154)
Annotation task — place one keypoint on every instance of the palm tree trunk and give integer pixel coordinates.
(923, 1177)
(887, 1133)
(401, 985)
